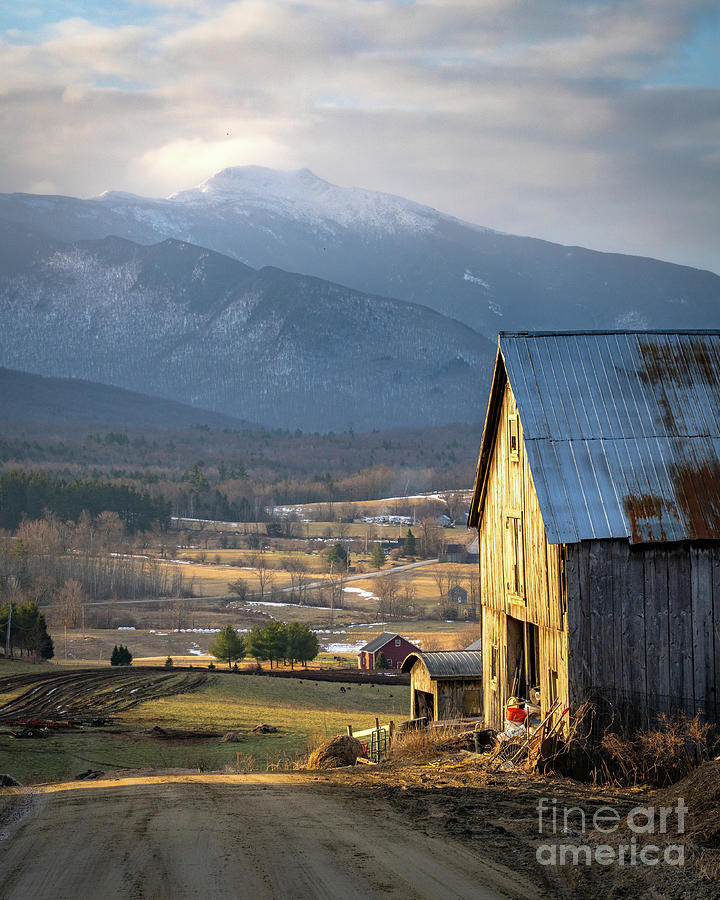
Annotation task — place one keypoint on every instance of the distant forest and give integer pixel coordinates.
(147, 474)
(33, 494)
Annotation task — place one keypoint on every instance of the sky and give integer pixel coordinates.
(587, 123)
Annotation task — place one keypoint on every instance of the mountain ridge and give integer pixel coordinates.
(273, 347)
(388, 246)
(27, 397)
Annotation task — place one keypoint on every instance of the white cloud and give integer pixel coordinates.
(188, 161)
(526, 116)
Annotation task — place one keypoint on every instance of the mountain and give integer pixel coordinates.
(184, 323)
(388, 246)
(33, 398)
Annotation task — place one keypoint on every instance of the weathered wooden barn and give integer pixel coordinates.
(445, 685)
(597, 504)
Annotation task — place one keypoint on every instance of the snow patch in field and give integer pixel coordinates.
(126, 628)
(345, 648)
(197, 630)
(366, 595)
(277, 603)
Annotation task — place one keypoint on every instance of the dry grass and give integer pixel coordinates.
(421, 743)
(662, 755)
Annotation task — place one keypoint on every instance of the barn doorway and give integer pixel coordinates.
(424, 706)
(523, 653)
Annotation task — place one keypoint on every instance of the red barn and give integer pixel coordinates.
(393, 647)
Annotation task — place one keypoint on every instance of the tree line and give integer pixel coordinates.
(29, 495)
(271, 643)
(63, 566)
(28, 630)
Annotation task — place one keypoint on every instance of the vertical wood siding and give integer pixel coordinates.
(644, 626)
(510, 490)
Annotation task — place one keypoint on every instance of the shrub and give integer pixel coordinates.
(663, 754)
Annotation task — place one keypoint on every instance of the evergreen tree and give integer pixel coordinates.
(228, 645)
(302, 643)
(256, 644)
(409, 545)
(276, 641)
(377, 556)
(337, 558)
(28, 632)
(120, 656)
(381, 661)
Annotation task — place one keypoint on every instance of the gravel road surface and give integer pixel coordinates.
(266, 837)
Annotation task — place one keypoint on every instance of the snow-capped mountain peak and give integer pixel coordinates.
(303, 196)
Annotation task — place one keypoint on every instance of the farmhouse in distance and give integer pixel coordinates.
(393, 647)
(597, 504)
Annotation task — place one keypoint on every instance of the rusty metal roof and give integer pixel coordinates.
(448, 663)
(621, 430)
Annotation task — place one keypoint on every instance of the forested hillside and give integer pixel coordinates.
(235, 473)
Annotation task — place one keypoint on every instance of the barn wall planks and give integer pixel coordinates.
(511, 498)
(648, 617)
(640, 623)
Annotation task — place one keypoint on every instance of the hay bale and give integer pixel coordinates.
(338, 751)
(701, 792)
(232, 737)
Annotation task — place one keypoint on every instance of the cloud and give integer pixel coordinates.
(535, 118)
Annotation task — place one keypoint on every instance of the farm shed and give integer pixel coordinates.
(445, 685)
(597, 505)
(394, 648)
(452, 553)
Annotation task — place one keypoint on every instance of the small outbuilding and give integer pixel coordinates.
(445, 684)
(394, 648)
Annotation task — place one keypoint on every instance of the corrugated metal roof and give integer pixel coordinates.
(448, 663)
(622, 431)
(380, 641)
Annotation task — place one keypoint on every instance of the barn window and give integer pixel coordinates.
(552, 686)
(398, 642)
(513, 438)
(514, 554)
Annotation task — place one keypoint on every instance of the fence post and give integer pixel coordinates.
(349, 730)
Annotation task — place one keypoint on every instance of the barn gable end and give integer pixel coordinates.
(597, 504)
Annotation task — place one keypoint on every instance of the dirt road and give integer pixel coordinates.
(264, 836)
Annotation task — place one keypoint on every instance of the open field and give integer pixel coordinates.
(303, 710)
(151, 644)
(320, 529)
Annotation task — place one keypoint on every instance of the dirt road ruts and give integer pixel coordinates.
(266, 837)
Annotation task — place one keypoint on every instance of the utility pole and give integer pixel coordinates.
(9, 626)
